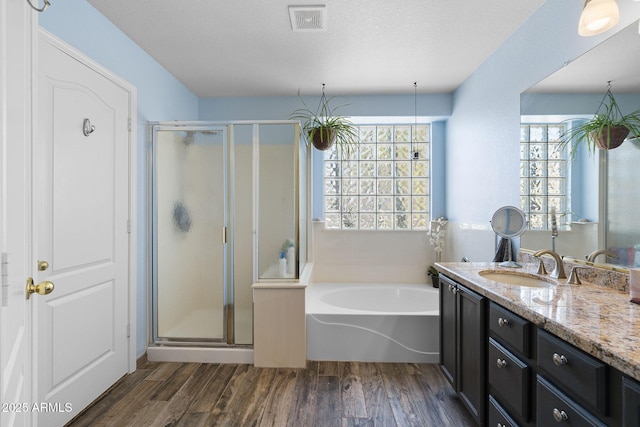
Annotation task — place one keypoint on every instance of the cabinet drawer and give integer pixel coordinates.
(573, 371)
(511, 329)
(554, 408)
(498, 416)
(509, 379)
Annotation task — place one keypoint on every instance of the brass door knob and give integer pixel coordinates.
(42, 288)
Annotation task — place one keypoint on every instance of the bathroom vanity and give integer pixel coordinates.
(541, 352)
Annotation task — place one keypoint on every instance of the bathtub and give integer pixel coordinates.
(372, 322)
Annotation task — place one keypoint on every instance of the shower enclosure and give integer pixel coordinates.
(228, 201)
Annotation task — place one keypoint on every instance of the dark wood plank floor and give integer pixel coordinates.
(323, 394)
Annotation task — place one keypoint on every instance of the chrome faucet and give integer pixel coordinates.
(558, 272)
(592, 256)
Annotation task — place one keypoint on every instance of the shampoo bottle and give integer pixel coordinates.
(291, 259)
(282, 265)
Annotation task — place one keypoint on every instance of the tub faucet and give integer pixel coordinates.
(558, 272)
(592, 256)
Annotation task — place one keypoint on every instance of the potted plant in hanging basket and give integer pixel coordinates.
(607, 129)
(323, 127)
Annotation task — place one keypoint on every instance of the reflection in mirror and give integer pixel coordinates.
(596, 210)
(508, 222)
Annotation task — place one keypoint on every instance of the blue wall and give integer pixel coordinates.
(484, 127)
(160, 97)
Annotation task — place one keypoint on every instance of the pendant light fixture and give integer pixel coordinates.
(598, 16)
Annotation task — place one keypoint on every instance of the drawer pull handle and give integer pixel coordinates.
(502, 322)
(559, 360)
(501, 363)
(559, 415)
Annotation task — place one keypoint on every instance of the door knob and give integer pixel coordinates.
(42, 288)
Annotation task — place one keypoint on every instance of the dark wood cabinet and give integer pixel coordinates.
(511, 369)
(510, 329)
(448, 336)
(555, 407)
(510, 372)
(498, 416)
(630, 402)
(509, 379)
(472, 336)
(463, 338)
(574, 371)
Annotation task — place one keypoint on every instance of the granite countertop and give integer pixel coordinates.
(599, 320)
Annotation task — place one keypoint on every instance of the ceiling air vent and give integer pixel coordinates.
(308, 18)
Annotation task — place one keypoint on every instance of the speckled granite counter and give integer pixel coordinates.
(599, 320)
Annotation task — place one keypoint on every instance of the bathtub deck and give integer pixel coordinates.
(323, 394)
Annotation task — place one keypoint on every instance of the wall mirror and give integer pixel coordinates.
(600, 196)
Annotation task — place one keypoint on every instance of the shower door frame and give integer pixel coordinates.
(227, 296)
(227, 127)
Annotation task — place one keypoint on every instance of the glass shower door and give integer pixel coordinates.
(190, 220)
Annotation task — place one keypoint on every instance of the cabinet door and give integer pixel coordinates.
(448, 330)
(472, 339)
(630, 402)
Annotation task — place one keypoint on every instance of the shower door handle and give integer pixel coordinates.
(224, 235)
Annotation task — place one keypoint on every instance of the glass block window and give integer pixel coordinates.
(544, 175)
(383, 184)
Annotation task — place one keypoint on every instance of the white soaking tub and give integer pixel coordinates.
(372, 322)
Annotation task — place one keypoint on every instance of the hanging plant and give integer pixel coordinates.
(607, 129)
(323, 127)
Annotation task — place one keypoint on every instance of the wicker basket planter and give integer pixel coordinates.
(610, 137)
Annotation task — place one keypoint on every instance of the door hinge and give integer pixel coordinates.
(129, 124)
(128, 330)
(5, 269)
(5, 279)
(128, 226)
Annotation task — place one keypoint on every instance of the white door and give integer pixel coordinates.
(16, 22)
(81, 237)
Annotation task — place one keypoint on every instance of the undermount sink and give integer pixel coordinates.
(515, 278)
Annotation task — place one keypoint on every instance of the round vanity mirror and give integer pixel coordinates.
(508, 222)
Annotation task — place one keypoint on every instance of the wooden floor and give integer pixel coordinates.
(323, 394)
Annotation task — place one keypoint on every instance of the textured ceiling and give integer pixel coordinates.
(247, 47)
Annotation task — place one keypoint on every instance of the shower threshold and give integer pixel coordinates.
(186, 354)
